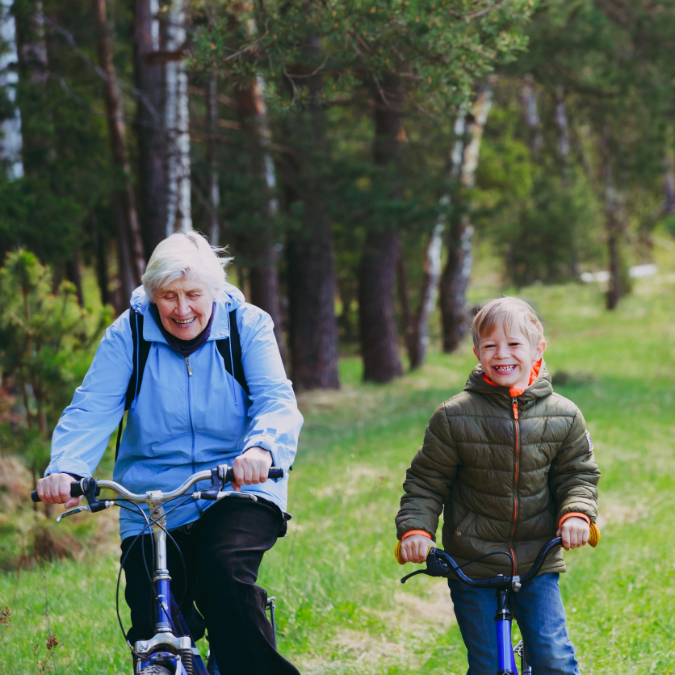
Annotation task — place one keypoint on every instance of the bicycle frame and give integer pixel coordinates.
(171, 631)
(172, 645)
(506, 660)
(440, 564)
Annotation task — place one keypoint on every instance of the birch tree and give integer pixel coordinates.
(11, 140)
(177, 123)
(455, 279)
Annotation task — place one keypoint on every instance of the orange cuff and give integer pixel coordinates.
(574, 514)
(410, 533)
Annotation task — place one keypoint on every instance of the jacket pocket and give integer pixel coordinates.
(464, 526)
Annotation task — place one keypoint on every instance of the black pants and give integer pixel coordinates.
(222, 552)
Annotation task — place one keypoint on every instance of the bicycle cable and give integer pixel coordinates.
(486, 555)
(148, 526)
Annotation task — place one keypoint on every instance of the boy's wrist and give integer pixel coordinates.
(574, 514)
(410, 533)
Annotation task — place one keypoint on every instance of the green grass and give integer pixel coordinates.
(341, 606)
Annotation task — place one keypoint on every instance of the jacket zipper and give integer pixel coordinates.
(516, 424)
(192, 428)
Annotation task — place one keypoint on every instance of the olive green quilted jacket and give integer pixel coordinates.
(503, 471)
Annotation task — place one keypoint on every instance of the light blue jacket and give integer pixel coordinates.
(180, 424)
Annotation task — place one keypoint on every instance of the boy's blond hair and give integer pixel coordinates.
(507, 311)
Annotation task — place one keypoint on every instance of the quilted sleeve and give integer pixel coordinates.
(574, 473)
(429, 479)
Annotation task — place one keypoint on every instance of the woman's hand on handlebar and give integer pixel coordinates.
(414, 549)
(55, 489)
(574, 533)
(251, 467)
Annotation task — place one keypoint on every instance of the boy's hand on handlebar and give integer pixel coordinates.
(55, 489)
(251, 467)
(574, 532)
(414, 549)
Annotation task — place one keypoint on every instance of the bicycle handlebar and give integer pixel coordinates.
(440, 564)
(94, 487)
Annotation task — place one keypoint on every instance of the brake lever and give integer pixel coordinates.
(436, 567)
(217, 485)
(412, 574)
(93, 507)
(71, 512)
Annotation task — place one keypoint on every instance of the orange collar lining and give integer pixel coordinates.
(513, 392)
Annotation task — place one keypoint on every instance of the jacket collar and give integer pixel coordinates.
(231, 298)
(540, 388)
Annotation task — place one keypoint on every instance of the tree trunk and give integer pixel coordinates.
(260, 245)
(614, 225)
(377, 275)
(377, 321)
(101, 261)
(417, 335)
(419, 330)
(561, 123)
(74, 275)
(311, 295)
(177, 125)
(528, 99)
(311, 266)
(37, 148)
(214, 177)
(406, 313)
(125, 195)
(149, 77)
(455, 279)
(454, 283)
(127, 279)
(669, 186)
(11, 140)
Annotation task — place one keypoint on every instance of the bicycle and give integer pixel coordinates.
(171, 651)
(440, 564)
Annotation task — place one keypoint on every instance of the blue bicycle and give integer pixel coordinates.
(440, 564)
(171, 651)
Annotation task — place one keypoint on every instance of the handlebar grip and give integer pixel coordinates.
(273, 474)
(75, 491)
(594, 535)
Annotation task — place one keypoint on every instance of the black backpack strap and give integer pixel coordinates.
(236, 369)
(140, 356)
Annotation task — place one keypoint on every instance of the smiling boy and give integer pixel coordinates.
(510, 463)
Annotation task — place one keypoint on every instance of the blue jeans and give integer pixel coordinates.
(540, 614)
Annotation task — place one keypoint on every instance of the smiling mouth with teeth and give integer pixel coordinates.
(187, 322)
(504, 369)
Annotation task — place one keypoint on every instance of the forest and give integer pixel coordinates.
(351, 155)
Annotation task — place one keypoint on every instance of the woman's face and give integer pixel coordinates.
(185, 307)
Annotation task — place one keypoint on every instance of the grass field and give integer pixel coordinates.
(341, 606)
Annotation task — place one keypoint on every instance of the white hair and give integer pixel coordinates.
(184, 255)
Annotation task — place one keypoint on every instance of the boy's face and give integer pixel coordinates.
(508, 359)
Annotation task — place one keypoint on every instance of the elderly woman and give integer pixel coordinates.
(191, 414)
